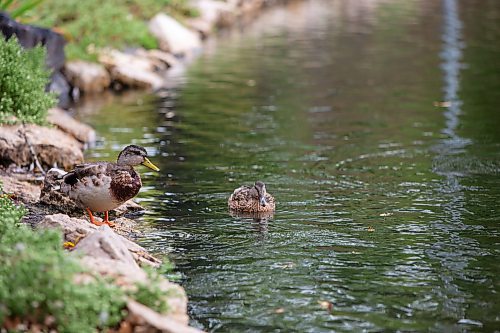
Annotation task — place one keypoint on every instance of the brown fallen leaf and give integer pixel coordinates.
(326, 305)
(385, 214)
(445, 104)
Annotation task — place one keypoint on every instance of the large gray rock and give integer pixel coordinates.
(70, 125)
(131, 70)
(172, 36)
(86, 76)
(51, 146)
(105, 244)
(76, 230)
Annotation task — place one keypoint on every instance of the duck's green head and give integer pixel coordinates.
(134, 155)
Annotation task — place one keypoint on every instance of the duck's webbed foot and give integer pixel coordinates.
(107, 221)
(92, 220)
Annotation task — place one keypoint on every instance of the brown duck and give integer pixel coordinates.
(251, 199)
(103, 186)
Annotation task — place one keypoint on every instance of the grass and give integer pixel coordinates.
(92, 24)
(37, 282)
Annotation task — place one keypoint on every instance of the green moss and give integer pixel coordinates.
(92, 24)
(23, 78)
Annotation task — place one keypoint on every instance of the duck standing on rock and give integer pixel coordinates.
(251, 199)
(103, 186)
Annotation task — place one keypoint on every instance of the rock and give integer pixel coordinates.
(105, 244)
(172, 36)
(88, 77)
(60, 86)
(166, 59)
(141, 256)
(70, 125)
(76, 230)
(124, 274)
(212, 14)
(146, 320)
(204, 28)
(27, 192)
(73, 229)
(131, 70)
(51, 146)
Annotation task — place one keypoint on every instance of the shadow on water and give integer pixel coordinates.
(375, 126)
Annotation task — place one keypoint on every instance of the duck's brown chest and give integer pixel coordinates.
(125, 185)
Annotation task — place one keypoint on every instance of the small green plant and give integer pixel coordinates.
(23, 78)
(18, 8)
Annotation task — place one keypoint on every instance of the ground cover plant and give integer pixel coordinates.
(92, 24)
(37, 282)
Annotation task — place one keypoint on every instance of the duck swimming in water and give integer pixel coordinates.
(251, 199)
(103, 186)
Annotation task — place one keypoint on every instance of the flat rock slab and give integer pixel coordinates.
(51, 146)
(80, 131)
(172, 36)
(86, 76)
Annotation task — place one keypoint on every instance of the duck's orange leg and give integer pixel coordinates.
(92, 220)
(107, 221)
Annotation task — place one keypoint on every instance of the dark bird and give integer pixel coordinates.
(103, 186)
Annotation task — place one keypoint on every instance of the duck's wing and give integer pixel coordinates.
(86, 170)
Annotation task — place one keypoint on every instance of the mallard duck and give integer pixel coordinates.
(251, 199)
(103, 186)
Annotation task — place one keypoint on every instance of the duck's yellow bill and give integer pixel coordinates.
(147, 163)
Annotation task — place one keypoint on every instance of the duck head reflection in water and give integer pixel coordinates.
(251, 199)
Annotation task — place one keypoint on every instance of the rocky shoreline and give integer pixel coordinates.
(28, 151)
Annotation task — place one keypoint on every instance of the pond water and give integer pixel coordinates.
(374, 124)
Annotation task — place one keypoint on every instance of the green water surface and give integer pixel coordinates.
(374, 124)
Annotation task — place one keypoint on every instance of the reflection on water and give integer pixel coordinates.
(374, 127)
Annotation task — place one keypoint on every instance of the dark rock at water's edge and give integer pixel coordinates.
(31, 36)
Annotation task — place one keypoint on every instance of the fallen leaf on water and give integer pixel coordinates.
(326, 305)
(279, 310)
(371, 229)
(445, 104)
(287, 265)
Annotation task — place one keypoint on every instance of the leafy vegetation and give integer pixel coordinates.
(37, 282)
(23, 78)
(92, 24)
(18, 8)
